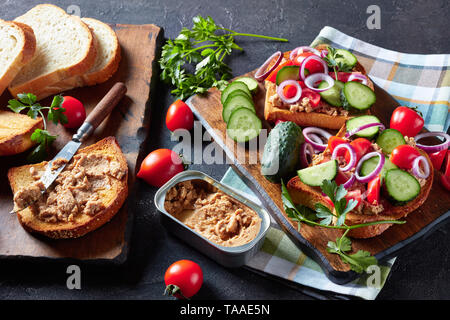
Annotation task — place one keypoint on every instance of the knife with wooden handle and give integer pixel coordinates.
(93, 120)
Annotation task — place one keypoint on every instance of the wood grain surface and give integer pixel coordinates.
(313, 240)
(129, 123)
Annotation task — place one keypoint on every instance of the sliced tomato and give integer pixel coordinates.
(333, 142)
(289, 91)
(341, 178)
(437, 158)
(361, 147)
(373, 190)
(302, 84)
(314, 97)
(342, 76)
(355, 195)
(273, 75)
(313, 66)
(403, 156)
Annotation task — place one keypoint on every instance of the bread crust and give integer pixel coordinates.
(64, 230)
(26, 53)
(309, 196)
(316, 119)
(80, 67)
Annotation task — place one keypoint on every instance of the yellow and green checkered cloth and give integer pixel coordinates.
(413, 80)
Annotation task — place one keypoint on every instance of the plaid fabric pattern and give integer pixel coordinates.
(413, 80)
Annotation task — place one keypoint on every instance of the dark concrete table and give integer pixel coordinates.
(408, 26)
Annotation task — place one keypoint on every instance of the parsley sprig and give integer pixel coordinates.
(193, 62)
(333, 61)
(43, 137)
(324, 217)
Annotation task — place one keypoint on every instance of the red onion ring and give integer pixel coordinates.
(352, 162)
(416, 167)
(348, 134)
(304, 49)
(304, 149)
(349, 182)
(434, 148)
(358, 76)
(281, 93)
(319, 131)
(314, 78)
(305, 61)
(261, 74)
(375, 172)
(323, 53)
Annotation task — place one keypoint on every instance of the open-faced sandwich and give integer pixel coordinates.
(320, 86)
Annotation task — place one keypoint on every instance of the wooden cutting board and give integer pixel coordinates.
(313, 240)
(129, 123)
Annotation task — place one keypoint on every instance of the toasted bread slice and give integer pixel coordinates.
(317, 119)
(106, 62)
(15, 132)
(17, 48)
(64, 48)
(309, 196)
(112, 198)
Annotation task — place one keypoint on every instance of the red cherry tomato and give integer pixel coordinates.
(373, 190)
(75, 112)
(313, 66)
(407, 121)
(183, 279)
(361, 147)
(313, 97)
(289, 91)
(437, 158)
(160, 166)
(179, 116)
(403, 156)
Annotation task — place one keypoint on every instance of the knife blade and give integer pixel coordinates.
(94, 119)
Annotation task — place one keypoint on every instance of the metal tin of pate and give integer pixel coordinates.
(226, 256)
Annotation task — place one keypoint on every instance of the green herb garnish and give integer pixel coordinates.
(331, 60)
(42, 137)
(193, 61)
(324, 217)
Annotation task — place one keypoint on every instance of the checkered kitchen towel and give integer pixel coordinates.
(413, 80)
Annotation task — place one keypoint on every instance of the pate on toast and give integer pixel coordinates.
(88, 192)
(324, 115)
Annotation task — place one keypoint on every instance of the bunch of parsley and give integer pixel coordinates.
(324, 217)
(43, 138)
(193, 61)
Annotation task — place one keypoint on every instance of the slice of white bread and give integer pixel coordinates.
(64, 48)
(15, 132)
(106, 62)
(112, 198)
(17, 48)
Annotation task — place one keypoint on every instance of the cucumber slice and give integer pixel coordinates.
(360, 121)
(251, 83)
(243, 125)
(401, 186)
(235, 85)
(288, 73)
(389, 139)
(358, 95)
(314, 176)
(332, 95)
(369, 165)
(347, 58)
(235, 100)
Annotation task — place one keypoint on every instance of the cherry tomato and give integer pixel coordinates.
(437, 158)
(179, 116)
(313, 96)
(160, 166)
(355, 195)
(403, 156)
(183, 279)
(313, 66)
(373, 190)
(273, 75)
(75, 112)
(289, 91)
(334, 141)
(361, 147)
(445, 178)
(407, 121)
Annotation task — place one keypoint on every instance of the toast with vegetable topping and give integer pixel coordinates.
(324, 109)
(87, 193)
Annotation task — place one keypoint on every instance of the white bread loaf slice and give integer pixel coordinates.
(64, 48)
(17, 47)
(106, 62)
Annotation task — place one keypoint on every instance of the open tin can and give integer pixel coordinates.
(227, 256)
